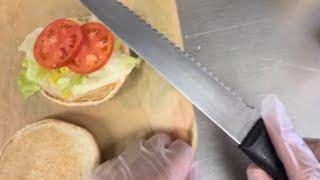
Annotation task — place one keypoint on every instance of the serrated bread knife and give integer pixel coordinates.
(225, 108)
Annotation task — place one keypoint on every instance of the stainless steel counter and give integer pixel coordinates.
(258, 47)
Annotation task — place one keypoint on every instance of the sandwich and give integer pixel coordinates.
(74, 62)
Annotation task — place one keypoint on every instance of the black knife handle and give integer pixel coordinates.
(258, 147)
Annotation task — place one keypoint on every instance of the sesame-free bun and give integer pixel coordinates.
(49, 149)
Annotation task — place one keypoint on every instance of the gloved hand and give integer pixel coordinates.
(158, 159)
(298, 156)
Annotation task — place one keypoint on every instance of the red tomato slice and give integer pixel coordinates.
(58, 44)
(96, 49)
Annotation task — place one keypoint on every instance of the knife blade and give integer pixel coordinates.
(208, 93)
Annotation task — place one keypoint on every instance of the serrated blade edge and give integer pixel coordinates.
(222, 105)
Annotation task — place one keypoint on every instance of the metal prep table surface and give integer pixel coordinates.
(248, 45)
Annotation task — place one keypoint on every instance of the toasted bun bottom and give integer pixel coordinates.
(49, 149)
(93, 97)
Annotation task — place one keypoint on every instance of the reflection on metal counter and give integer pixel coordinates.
(257, 47)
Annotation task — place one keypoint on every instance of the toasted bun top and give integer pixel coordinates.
(49, 149)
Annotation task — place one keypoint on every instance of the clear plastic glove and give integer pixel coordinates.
(299, 159)
(159, 158)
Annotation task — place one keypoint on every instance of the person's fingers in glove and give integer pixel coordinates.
(193, 173)
(256, 173)
(299, 161)
(159, 158)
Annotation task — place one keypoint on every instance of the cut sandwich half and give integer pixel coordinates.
(74, 62)
(49, 149)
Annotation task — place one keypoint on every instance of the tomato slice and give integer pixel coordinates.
(96, 49)
(58, 44)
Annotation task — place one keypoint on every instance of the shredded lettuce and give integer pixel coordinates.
(63, 82)
(33, 77)
(27, 87)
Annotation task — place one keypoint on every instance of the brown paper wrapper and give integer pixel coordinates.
(144, 105)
